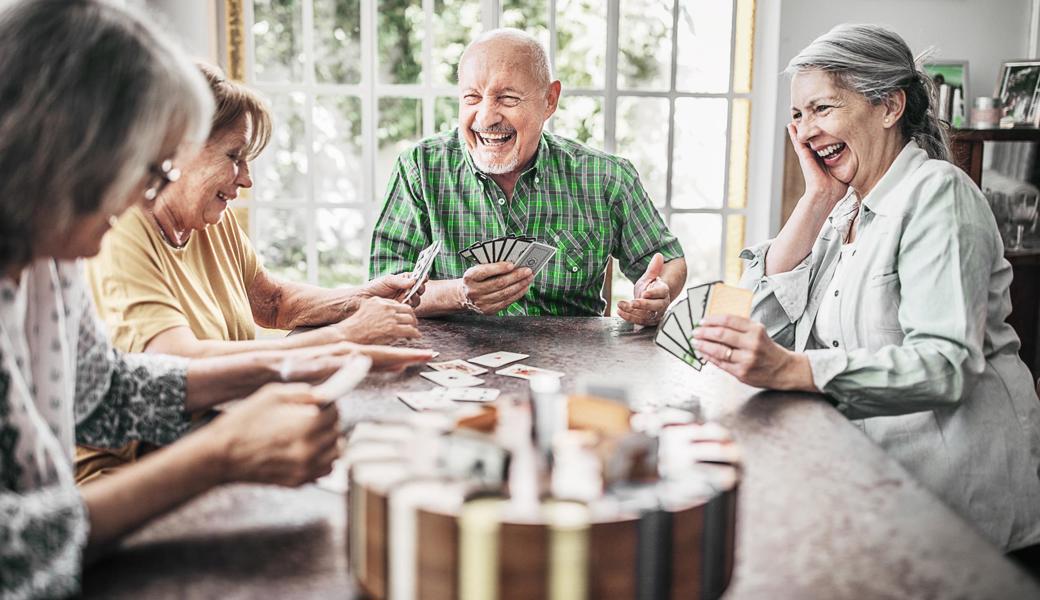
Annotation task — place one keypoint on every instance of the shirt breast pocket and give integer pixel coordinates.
(580, 255)
(882, 295)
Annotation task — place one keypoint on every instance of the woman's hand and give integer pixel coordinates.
(393, 287)
(742, 348)
(282, 435)
(379, 321)
(820, 185)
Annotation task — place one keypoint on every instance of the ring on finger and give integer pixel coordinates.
(729, 354)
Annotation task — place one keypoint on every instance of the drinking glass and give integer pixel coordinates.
(1022, 211)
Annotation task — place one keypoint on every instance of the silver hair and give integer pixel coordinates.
(90, 97)
(527, 43)
(875, 62)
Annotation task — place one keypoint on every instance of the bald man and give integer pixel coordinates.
(500, 173)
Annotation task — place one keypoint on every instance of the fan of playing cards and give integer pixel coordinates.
(522, 251)
(422, 267)
(675, 332)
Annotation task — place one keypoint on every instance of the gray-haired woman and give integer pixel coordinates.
(93, 106)
(888, 289)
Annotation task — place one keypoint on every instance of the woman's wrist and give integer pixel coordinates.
(796, 374)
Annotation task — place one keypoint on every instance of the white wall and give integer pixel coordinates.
(983, 32)
(192, 22)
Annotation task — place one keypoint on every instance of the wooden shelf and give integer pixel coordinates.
(1020, 134)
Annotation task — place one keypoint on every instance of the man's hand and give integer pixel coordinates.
(492, 287)
(651, 296)
(393, 287)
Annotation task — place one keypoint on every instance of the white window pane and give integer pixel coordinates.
(278, 40)
(580, 118)
(400, 127)
(342, 246)
(531, 16)
(642, 134)
(581, 43)
(337, 41)
(282, 241)
(699, 156)
(701, 239)
(645, 45)
(337, 149)
(445, 113)
(281, 170)
(455, 23)
(400, 33)
(704, 46)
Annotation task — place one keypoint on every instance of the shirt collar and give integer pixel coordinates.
(907, 161)
(541, 156)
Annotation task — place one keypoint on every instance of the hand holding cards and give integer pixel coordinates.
(676, 329)
(522, 251)
(422, 267)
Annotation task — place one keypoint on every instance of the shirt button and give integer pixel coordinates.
(835, 293)
(574, 269)
(834, 343)
(501, 201)
(536, 180)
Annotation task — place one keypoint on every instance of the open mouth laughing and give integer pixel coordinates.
(493, 139)
(830, 153)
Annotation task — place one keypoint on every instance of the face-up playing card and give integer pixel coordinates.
(729, 300)
(457, 365)
(536, 256)
(527, 372)
(497, 359)
(428, 400)
(422, 267)
(452, 378)
(471, 394)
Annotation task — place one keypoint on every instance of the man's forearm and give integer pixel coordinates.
(440, 298)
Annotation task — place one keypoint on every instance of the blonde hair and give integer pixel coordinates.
(234, 102)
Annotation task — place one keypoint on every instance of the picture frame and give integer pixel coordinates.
(1019, 91)
(953, 73)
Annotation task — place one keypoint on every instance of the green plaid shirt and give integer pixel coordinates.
(588, 204)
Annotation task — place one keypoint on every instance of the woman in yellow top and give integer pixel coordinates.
(182, 278)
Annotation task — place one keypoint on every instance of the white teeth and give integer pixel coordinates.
(825, 152)
(222, 196)
(494, 138)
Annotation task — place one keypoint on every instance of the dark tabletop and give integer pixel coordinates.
(823, 512)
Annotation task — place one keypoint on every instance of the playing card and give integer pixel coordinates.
(428, 400)
(452, 378)
(483, 257)
(729, 300)
(527, 372)
(498, 245)
(344, 379)
(470, 394)
(665, 339)
(697, 298)
(536, 256)
(517, 250)
(497, 359)
(422, 267)
(457, 365)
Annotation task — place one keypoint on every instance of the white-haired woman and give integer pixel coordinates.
(888, 289)
(94, 105)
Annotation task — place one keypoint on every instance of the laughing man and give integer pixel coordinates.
(499, 173)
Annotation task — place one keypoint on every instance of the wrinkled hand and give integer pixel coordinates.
(742, 348)
(393, 287)
(390, 358)
(379, 321)
(820, 185)
(280, 435)
(494, 286)
(316, 363)
(651, 296)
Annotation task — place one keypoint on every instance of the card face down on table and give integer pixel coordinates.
(675, 333)
(522, 251)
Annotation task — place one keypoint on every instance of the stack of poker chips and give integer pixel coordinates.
(432, 513)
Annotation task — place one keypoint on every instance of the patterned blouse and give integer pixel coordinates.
(61, 383)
